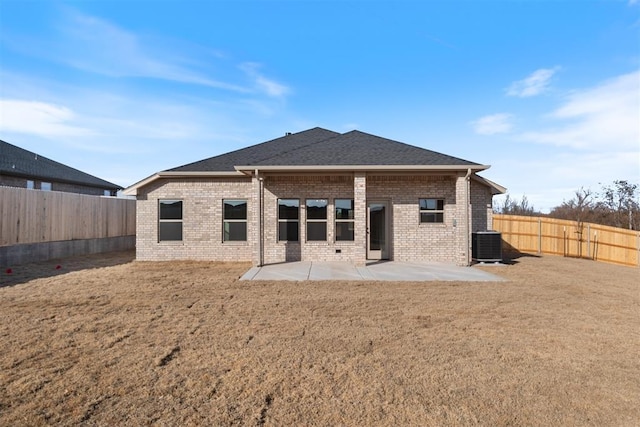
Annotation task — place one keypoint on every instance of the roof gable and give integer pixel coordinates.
(20, 162)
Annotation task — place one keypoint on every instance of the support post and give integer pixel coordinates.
(539, 236)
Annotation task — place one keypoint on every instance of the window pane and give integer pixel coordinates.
(316, 209)
(431, 217)
(344, 209)
(235, 209)
(316, 231)
(170, 209)
(288, 208)
(30, 184)
(235, 231)
(170, 231)
(432, 204)
(288, 231)
(344, 231)
(45, 186)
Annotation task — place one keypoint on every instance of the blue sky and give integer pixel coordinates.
(547, 92)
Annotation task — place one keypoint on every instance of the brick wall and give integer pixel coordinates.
(412, 240)
(409, 239)
(482, 208)
(302, 188)
(202, 220)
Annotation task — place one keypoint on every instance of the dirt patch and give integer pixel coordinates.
(186, 343)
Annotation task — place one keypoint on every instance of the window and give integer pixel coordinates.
(106, 193)
(431, 210)
(288, 219)
(170, 220)
(234, 221)
(45, 186)
(30, 184)
(316, 219)
(344, 219)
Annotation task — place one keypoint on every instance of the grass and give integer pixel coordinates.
(186, 343)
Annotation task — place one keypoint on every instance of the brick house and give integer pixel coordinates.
(24, 169)
(315, 195)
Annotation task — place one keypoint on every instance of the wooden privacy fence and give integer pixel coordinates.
(544, 235)
(34, 216)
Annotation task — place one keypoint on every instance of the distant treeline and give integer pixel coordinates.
(616, 205)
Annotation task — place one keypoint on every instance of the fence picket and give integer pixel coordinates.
(562, 237)
(34, 216)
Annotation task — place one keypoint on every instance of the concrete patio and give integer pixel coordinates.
(385, 270)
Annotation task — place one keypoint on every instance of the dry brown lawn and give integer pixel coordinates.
(186, 343)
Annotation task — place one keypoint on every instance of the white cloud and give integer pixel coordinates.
(123, 134)
(493, 124)
(263, 84)
(39, 118)
(534, 84)
(550, 179)
(605, 117)
(95, 45)
(98, 46)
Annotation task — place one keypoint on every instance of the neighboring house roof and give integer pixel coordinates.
(319, 149)
(19, 162)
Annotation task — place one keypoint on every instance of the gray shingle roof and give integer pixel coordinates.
(256, 154)
(20, 162)
(321, 147)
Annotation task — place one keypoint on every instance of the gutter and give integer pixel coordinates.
(368, 168)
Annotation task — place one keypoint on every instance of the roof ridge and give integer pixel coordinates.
(300, 147)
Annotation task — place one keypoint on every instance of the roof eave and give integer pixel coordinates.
(133, 189)
(386, 168)
(495, 187)
(104, 185)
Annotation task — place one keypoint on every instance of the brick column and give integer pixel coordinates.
(462, 204)
(254, 223)
(360, 205)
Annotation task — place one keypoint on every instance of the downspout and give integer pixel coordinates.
(466, 215)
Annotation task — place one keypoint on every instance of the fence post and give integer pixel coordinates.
(539, 236)
(589, 241)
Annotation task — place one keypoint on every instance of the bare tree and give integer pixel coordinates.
(616, 205)
(620, 200)
(513, 207)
